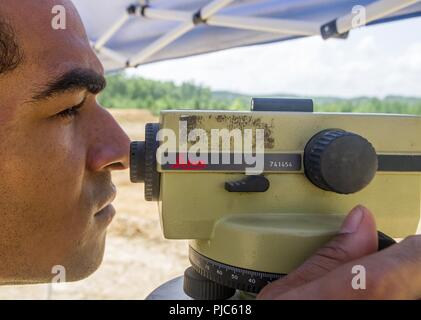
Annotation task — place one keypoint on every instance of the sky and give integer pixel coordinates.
(378, 60)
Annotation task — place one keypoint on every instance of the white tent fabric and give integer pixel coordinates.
(129, 33)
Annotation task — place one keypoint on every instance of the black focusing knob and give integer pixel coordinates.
(340, 161)
(152, 176)
(199, 287)
(143, 164)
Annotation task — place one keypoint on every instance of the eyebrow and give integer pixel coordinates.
(72, 80)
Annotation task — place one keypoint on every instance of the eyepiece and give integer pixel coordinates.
(137, 161)
(143, 164)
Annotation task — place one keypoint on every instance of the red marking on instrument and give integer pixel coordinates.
(199, 165)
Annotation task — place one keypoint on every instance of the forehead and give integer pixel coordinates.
(49, 52)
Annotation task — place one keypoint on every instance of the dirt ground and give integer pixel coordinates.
(137, 257)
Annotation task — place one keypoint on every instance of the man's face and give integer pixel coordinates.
(58, 148)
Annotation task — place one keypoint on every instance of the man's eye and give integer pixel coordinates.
(71, 112)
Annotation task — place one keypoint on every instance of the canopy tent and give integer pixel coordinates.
(127, 33)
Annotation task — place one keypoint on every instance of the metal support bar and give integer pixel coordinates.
(213, 7)
(283, 26)
(374, 11)
(291, 27)
(110, 32)
(171, 15)
(111, 54)
(115, 56)
(161, 43)
(170, 37)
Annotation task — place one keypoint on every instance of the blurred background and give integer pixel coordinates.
(378, 69)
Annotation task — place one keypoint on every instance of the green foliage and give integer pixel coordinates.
(134, 92)
(400, 105)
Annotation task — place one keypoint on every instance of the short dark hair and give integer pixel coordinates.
(11, 54)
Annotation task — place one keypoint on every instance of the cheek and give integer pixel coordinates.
(45, 160)
(42, 185)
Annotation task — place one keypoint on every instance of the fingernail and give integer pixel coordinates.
(353, 220)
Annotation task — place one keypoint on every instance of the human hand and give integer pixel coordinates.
(393, 273)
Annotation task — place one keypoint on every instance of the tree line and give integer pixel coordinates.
(135, 92)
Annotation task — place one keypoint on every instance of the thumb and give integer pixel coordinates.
(357, 238)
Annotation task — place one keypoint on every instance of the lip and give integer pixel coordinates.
(106, 214)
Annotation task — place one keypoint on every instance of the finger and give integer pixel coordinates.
(393, 273)
(357, 238)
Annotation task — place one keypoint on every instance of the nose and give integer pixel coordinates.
(110, 145)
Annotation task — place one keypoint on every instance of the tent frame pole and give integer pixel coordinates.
(111, 54)
(282, 26)
(111, 31)
(373, 11)
(205, 13)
